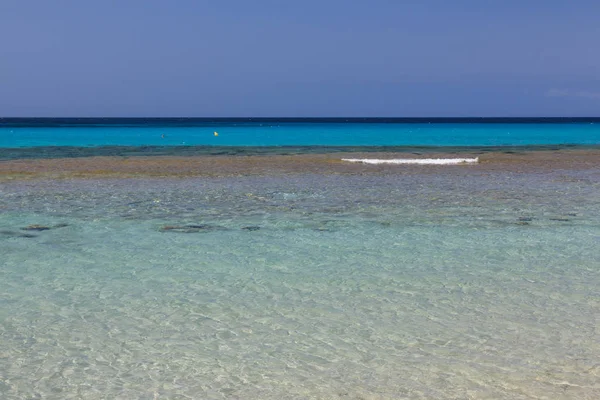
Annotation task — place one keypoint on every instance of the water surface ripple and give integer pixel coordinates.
(467, 284)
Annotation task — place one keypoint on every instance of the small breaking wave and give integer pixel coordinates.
(421, 161)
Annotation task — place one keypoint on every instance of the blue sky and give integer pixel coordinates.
(299, 58)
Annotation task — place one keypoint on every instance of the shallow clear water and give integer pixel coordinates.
(427, 286)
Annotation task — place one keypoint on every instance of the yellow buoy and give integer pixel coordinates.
(216, 133)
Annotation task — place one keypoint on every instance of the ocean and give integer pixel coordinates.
(265, 132)
(145, 259)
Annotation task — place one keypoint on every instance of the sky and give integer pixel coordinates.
(341, 58)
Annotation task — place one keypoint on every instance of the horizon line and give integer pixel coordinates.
(304, 118)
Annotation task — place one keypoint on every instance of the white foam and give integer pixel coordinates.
(422, 161)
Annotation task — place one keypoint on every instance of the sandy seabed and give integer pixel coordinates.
(300, 277)
(223, 166)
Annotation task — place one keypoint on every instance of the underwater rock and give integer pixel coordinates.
(39, 228)
(191, 228)
(250, 228)
(559, 219)
(36, 228)
(8, 233)
(525, 219)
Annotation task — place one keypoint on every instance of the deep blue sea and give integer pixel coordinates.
(428, 282)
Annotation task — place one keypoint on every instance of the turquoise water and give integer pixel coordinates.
(285, 133)
(429, 283)
(449, 285)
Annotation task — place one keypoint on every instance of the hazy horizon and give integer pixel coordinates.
(310, 59)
